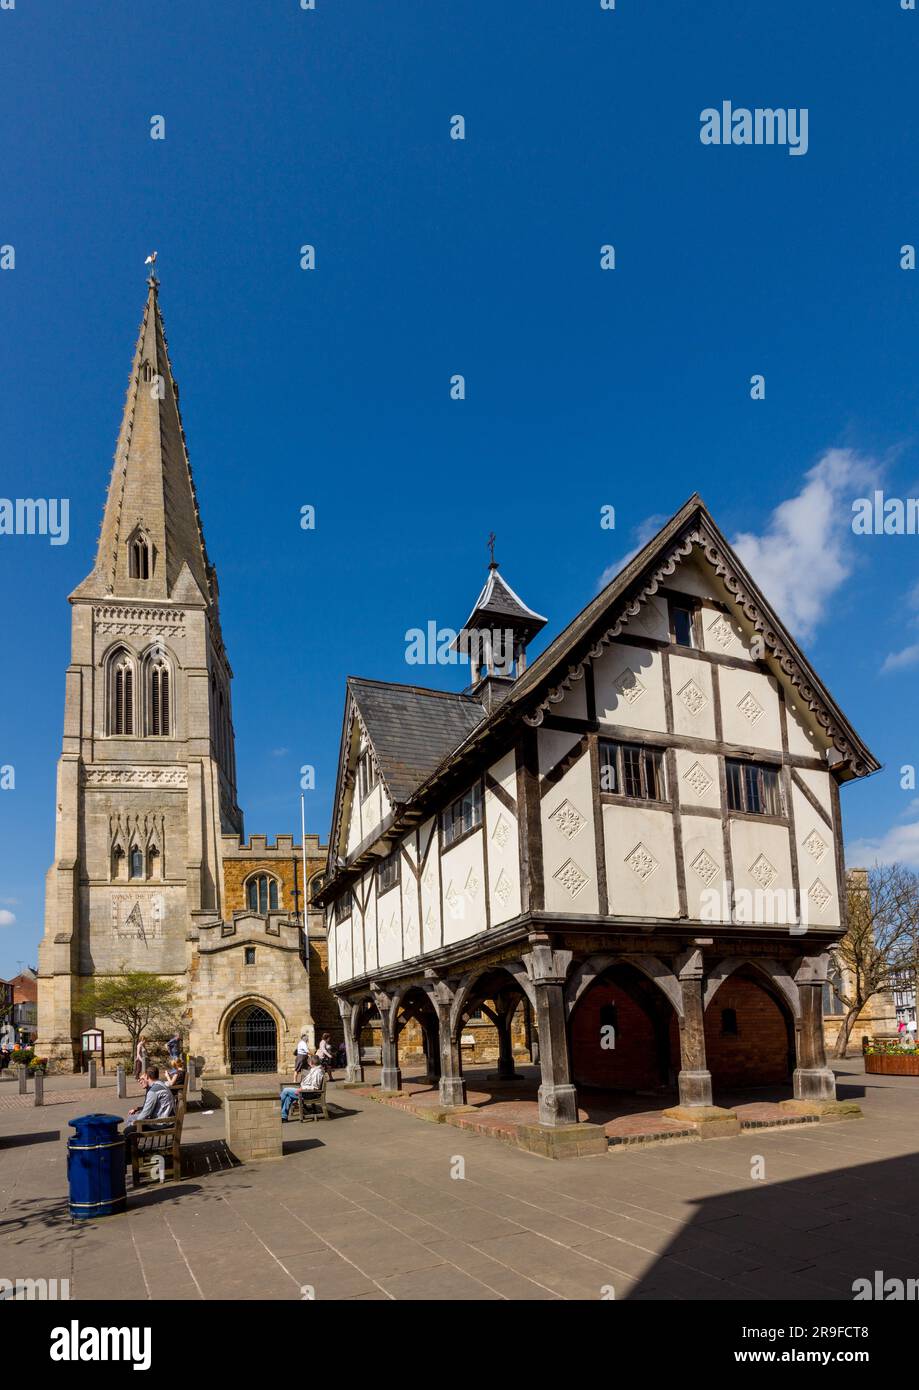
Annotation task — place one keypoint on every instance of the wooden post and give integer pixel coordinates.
(121, 1085)
(92, 1071)
(39, 1088)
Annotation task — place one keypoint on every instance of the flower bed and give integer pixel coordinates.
(891, 1059)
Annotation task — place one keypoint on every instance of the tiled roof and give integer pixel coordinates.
(412, 729)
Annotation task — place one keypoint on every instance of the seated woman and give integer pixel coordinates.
(175, 1076)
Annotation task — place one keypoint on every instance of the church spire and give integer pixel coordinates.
(151, 544)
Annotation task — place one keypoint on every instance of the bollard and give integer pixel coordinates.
(192, 1075)
(39, 1089)
(92, 1071)
(121, 1085)
(23, 1078)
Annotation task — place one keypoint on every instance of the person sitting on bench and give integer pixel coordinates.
(310, 1087)
(160, 1103)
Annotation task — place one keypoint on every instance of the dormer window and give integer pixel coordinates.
(140, 559)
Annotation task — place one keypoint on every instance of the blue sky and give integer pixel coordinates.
(584, 388)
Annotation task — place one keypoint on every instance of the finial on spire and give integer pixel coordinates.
(493, 564)
(151, 262)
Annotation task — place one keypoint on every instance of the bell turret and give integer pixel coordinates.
(496, 635)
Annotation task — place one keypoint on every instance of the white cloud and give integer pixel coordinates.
(804, 553)
(908, 656)
(898, 845)
(899, 661)
(7, 918)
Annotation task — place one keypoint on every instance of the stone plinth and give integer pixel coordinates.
(710, 1121)
(253, 1123)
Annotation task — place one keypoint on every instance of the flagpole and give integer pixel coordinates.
(306, 932)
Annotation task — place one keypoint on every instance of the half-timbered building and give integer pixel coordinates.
(636, 839)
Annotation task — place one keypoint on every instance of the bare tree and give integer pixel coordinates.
(881, 940)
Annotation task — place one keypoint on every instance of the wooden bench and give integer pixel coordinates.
(301, 1103)
(156, 1141)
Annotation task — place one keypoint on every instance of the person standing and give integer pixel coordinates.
(324, 1053)
(303, 1052)
(140, 1059)
(174, 1046)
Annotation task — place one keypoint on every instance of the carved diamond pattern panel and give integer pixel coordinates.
(503, 888)
(750, 708)
(567, 819)
(705, 867)
(642, 862)
(693, 697)
(815, 845)
(628, 687)
(698, 779)
(455, 901)
(764, 872)
(819, 895)
(472, 884)
(501, 832)
(572, 877)
(720, 631)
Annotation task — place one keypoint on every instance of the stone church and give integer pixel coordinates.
(151, 868)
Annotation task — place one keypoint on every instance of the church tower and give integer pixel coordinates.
(146, 782)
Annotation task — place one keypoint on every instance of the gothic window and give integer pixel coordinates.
(121, 694)
(139, 558)
(159, 720)
(137, 862)
(117, 862)
(153, 862)
(262, 893)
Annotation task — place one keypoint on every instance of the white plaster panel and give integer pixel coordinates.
(501, 839)
(345, 966)
(703, 859)
(764, 730)
(411, 935)
(724, 633)
(752, 843)
(463, 888)
(431, 919)
(693, 702)
(574, 704)
(552, 745)
(569, 846)
(697, 779)
(640, 704)
(652, 621)
(389, 930)
(818, 784)
(804, 737)
(626, 828)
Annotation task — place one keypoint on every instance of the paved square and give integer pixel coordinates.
(365, 1207)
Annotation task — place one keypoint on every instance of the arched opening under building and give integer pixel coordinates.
(495, 1027)
(417, 1038)
(252, 1041)
(624, 1034)
(749, 1034)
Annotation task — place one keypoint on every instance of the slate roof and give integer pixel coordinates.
(412, 729)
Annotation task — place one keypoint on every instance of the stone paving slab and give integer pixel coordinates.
(370, 1208)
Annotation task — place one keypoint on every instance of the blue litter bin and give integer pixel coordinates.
(95, 1166)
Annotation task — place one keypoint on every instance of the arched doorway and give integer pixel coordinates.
(749, 1033)
(624, 1034)
(252, 1041)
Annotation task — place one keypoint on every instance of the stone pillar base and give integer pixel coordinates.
(354, 1075)
(710, 1121)
(452, 1091)
(391, 1079)
(558, 1105)
(814, 1083)
(695, 1088)
(563, 1141)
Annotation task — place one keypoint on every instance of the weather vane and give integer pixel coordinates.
(151, 262)
(491, 549)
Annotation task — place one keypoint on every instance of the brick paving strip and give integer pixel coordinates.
(371, 1205)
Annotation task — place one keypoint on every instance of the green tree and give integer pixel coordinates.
(881, 940)
(137, 999)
